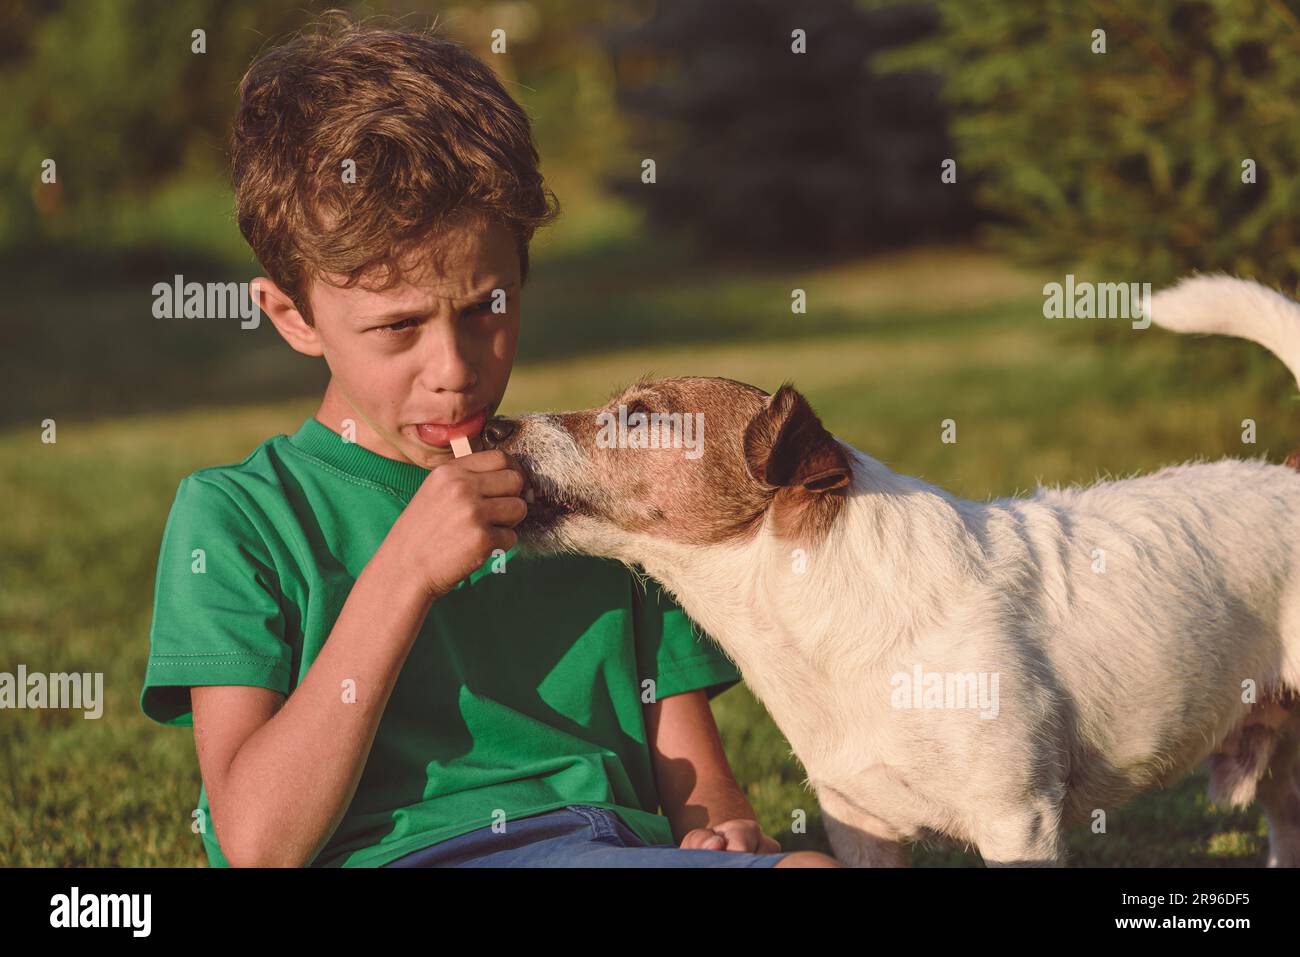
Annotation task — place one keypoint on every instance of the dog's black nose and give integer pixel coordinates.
(497, 430)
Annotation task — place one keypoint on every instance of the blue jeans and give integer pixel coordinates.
(579, 835)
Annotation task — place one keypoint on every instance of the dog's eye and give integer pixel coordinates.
(637, 406)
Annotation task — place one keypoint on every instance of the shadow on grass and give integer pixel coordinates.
(80, 337)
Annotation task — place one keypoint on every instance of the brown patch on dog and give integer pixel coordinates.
(659, 491)
(1293, 460)
(788, 448)
(759, 452)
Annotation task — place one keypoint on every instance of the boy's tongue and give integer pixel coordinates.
(441, 435)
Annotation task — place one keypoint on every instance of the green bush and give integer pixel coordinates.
(1129, 160)
(115, 94)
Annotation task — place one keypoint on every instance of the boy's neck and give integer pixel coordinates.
(335, 409)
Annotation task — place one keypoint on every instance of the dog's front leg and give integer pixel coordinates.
(1028, 836)
(859, 839)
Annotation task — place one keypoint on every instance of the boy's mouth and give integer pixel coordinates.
(440, 434)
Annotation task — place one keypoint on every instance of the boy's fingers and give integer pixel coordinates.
(739, 841)
(747, 836)
(503, 482)
(505, 510)
(704, 839)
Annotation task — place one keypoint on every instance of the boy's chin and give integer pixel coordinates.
(421, 453)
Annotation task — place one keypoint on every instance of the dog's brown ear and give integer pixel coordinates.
(786, 446)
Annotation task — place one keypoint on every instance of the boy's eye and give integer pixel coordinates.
(399, 326)
(403, 324)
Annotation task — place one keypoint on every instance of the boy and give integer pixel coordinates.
(365, 688)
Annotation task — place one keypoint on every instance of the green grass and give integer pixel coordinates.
(888, 350)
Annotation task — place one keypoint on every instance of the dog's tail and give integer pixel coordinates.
(1232, 307)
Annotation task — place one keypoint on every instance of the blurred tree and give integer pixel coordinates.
(762, 149)
(1130, 160)
(114, 93)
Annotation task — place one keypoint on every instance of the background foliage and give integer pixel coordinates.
(762, 152)
(776, 173)
(1130, 160)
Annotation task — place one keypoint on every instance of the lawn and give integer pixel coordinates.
(888, 349)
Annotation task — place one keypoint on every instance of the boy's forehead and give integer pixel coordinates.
(417, 296)
(459, 265)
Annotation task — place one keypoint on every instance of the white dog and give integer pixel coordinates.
(988, 672)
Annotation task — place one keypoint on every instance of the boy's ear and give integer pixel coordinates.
(279, 308)
(786, 446)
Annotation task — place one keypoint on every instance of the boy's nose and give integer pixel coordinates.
(497, 430)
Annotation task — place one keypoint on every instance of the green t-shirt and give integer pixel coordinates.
(521, 694)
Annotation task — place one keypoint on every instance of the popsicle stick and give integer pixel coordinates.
(460, 446)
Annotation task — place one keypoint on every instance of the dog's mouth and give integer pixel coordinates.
(545, 510)
(549, 505)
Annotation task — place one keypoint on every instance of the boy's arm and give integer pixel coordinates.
(697, 789)
(280, 772)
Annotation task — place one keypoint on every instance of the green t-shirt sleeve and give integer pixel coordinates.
(672, 650)
(217, 616)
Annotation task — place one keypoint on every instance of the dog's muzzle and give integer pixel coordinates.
(545, 507)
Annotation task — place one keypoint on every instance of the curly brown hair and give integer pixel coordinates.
(434, 136)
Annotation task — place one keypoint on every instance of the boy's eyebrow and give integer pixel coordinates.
(421, 309)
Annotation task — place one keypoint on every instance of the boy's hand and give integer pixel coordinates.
(743, 835)
(464, 510)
